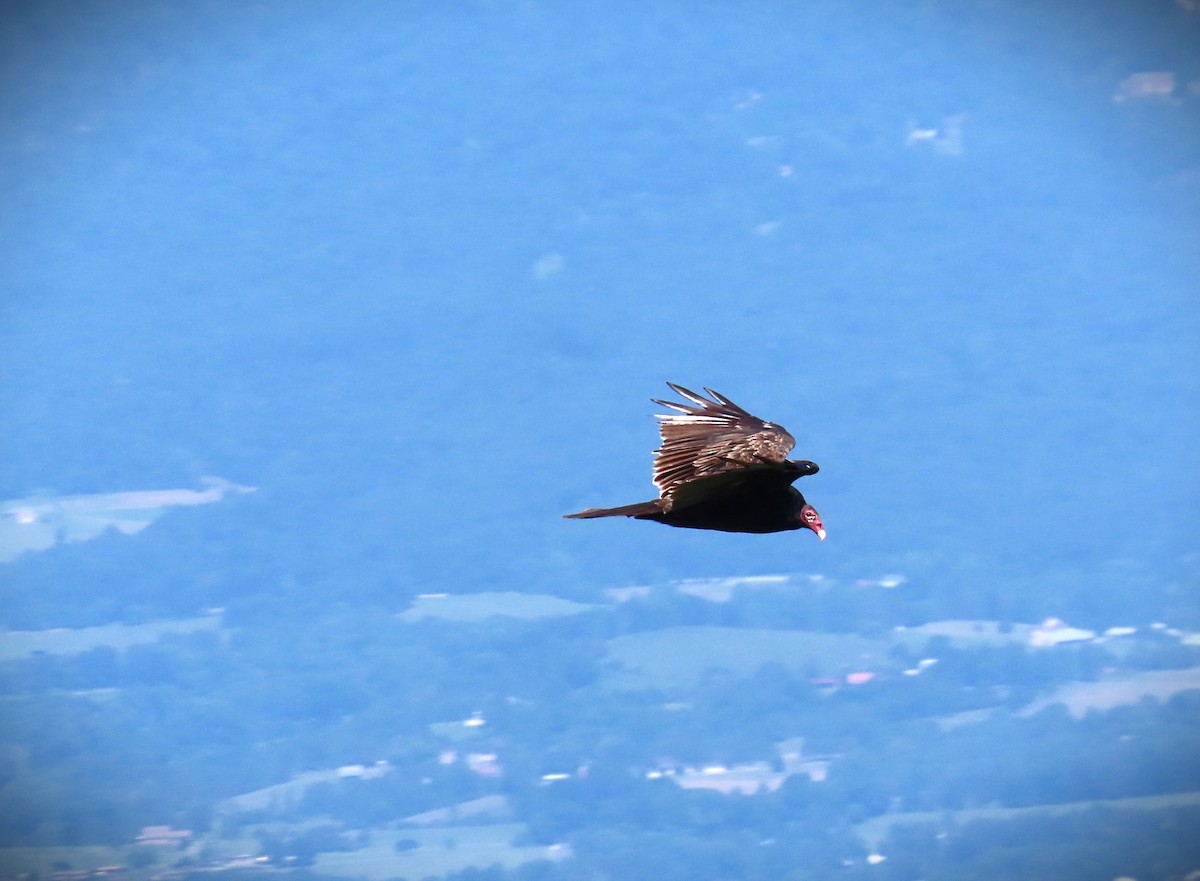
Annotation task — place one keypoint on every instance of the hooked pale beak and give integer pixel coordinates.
(810, 519)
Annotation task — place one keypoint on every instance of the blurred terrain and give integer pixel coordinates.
(412, 272)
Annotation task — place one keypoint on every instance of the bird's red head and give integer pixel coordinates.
(810, 519)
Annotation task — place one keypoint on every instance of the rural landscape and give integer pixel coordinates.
(317, 318)
(777, 725)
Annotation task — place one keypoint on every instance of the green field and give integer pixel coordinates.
(682, 655)
(1081, 698)
(481, 606)
(439, 852)
(965, 633)
(875, 830)
(17, 644)
(17, 537)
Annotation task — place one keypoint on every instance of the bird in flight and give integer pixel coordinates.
(721, 468)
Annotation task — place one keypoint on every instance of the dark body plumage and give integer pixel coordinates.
(721, 468)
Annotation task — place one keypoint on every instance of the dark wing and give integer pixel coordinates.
(747, 480)
(713, 437)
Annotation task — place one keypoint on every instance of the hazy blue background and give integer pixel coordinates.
(414, 269)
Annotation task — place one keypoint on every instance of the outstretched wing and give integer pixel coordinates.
(711, 437)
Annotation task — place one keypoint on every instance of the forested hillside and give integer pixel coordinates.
(316, 318)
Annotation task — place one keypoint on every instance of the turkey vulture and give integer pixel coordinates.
(721, 468)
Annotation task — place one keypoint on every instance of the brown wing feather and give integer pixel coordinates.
(712, 437)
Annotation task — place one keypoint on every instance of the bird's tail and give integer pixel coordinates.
(654, 506)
